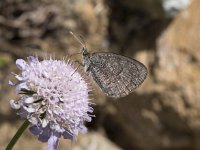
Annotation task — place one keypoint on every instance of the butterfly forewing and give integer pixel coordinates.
(116, 75)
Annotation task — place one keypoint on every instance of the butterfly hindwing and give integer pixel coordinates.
(116, 75)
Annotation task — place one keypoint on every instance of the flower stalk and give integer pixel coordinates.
(17, 135)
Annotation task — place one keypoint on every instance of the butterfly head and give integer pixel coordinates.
(84, 51)
(81, 41)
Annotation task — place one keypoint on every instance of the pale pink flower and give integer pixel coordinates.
(54, 97)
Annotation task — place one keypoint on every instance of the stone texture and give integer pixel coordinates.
(94, 141)
(162, 114)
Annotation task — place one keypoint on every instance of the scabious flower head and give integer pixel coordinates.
(54, 97)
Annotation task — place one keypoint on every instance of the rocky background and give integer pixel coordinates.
(164, 113)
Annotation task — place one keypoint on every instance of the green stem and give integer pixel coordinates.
(17, 135)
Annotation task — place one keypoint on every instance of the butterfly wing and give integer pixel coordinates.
(116, 75)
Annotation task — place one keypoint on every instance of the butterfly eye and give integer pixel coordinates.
(84, 51)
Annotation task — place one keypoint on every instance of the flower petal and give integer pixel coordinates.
(11, 83)
(83, 129)
(32, 59)
(33, 120)
(53, 142)
(22, 113)
(68, 135)
(45, 135)
(21, 86)
(29, 109)
(21, 64)
(29, 100)
(14, 105)
(35, 130)
(44, 123)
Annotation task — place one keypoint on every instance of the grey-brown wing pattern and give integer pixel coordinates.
(116, 75)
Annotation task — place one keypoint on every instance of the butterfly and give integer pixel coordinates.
(116, 75)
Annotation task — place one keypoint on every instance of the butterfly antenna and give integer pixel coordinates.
(79, 39)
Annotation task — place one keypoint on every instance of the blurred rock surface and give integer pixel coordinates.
(172, 7)
(162, 114)
(165, 115)
(94, 141)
